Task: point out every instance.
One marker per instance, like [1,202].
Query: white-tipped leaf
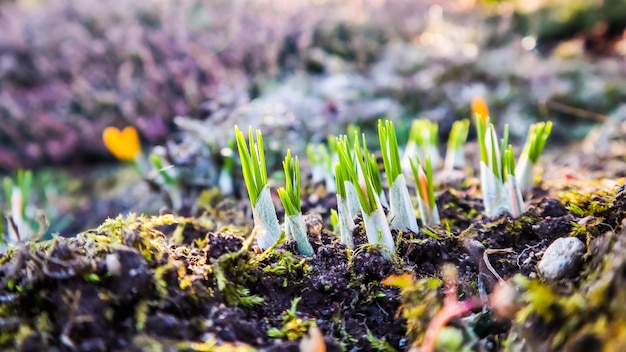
[435,157]
[429,216]
[410,152]
[401,210]
[383,199]
[495,194]
[525,173]
[346,222]
[294,226]
[515,193]
[352,199]
[454,159]
[378,231]
[266,224]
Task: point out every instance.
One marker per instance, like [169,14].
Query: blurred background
[184,72]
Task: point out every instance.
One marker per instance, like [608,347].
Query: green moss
[587,204]
[588,310]
[420,302]
[378,344]
[288,267]
[293,327]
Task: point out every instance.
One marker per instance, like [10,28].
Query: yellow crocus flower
[123,144]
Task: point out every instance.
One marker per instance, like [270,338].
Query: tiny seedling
[492,177]
[290,197]
[423,175]
[512,184]
[345,218]
[255,176]
[372,163]
[456,140]
[166,179]
[401,210]
[24,222]
[321,159]
[351,196]
[423,141]
[535,142]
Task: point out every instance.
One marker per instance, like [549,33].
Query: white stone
[562,258]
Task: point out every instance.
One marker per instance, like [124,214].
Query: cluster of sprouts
[359,184]
[501,187]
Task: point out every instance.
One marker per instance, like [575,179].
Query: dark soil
[137,282]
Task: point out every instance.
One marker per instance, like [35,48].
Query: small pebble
[113,264]
[562,258]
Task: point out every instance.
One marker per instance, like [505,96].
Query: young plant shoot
[376,225]
[400,207]
[252,157]
[423,141]
[166,177]
[351,196]
[377,180]
[423,174]
[456,140]
[290,197]
[512,184]
[345,218]
[495,196]
[24,222]
[538,134]
[321,165]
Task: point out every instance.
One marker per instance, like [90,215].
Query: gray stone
[562,258]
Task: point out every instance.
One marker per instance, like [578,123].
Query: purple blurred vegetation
[70,68]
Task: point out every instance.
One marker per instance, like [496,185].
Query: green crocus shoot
[345,218]
[423,141]
[401,210]
[512,184]
[334,220]
[492,177]
[24,222]
[536,139]
[321,165]
[290,197]
[423,174]
[163,170]
[167,179]
[376,225]
[255,176]
[377,180]
[351,196]
[456,140]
